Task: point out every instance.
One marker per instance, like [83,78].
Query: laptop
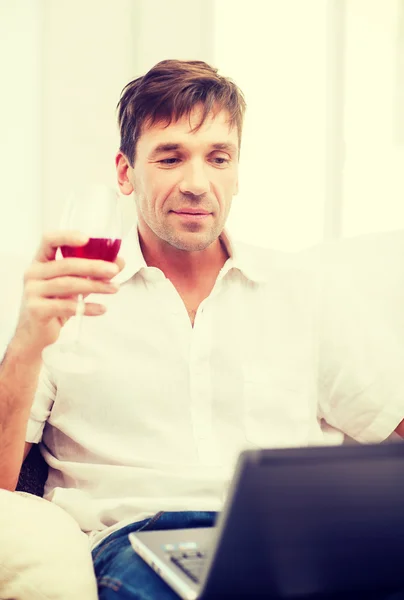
[319,522]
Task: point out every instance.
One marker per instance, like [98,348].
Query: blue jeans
[121,574]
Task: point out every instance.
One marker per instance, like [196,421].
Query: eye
[220,160]
[168,161]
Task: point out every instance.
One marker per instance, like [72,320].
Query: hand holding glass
[93,211]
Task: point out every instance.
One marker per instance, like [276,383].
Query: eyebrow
[225,146]
[170,147]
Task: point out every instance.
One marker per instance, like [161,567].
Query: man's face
[177,171]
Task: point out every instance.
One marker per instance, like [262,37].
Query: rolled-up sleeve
[367,412]
[41,407]
[361,358]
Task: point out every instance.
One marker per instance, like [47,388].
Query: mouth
[192,215]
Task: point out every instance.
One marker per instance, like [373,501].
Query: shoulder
[270,260]
[368,268]
[287,275]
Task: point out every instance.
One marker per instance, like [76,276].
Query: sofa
[43,553]
[33,473]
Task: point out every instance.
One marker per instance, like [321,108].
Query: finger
[63,287]
[52,240]
[92,309]
[119,261]
[77,267]
[44,309]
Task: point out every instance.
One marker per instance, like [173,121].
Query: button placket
[201,393]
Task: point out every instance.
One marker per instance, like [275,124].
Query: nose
[195,180]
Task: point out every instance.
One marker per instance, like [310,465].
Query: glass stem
[79,317]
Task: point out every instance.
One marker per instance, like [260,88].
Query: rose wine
[96,248]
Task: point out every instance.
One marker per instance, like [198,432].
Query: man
[209,347]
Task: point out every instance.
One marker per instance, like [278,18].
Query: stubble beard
[190,238]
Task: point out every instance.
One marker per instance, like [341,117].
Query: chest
[191,306]
[193,299]
[245,372]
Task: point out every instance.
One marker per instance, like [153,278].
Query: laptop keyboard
[189,557]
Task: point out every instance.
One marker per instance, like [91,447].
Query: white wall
[20,126]
[276,52]
[88,57]
[179,29]
[374,168]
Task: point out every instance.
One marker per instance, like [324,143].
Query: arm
[49,300]
[18,379]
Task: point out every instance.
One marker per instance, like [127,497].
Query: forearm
[49,300]
[19,373]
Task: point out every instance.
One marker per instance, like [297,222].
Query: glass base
[70,358]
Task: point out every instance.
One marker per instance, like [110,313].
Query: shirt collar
[241,257]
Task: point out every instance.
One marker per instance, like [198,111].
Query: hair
[169,91]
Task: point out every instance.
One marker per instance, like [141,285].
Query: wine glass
[95,212]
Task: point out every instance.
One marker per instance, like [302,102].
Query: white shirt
[160,425]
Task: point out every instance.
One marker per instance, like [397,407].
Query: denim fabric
[122,574]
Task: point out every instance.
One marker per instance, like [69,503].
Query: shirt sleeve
[361,354]
[41,407]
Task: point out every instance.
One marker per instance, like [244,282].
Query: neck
[187,269]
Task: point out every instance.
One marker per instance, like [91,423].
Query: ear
[123,172]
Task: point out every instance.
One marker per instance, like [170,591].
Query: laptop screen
[316,520]
[339,520]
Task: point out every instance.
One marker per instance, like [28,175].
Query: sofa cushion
[43,552]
